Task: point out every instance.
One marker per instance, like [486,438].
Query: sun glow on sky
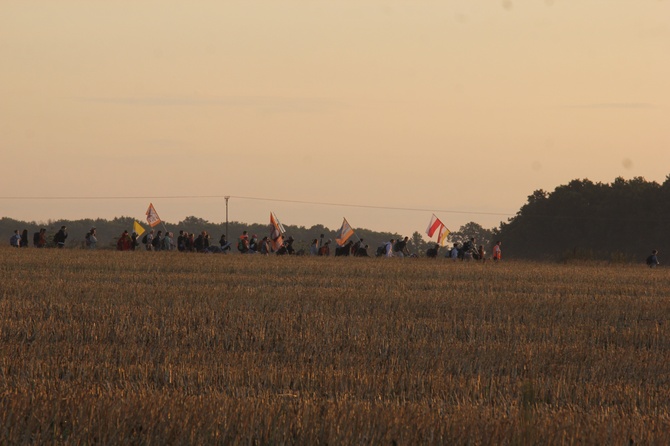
[446,106]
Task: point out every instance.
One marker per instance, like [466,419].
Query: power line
[636,219]
[318,203]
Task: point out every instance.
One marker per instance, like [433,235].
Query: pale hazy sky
[439,105]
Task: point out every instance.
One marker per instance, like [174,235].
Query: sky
[396,109]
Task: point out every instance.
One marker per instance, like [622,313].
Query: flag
[137,228]
[346,231]
[152,216]
[434,224]
[276,232]
[442,235]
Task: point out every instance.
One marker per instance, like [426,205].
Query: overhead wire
[240,197]
[350,205]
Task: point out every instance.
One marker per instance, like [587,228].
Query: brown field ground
[169,348]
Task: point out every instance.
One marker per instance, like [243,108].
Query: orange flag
[152,216]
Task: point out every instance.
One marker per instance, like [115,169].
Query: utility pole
[227,197]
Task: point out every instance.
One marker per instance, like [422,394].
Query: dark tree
[623,220]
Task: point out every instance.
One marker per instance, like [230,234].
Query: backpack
[156,242]
[36,238]
[144,239]
[241,246]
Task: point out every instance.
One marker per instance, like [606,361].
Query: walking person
[388,248]
[356,247]
[15,239]
[91,239]
[24,239]
[652,260]
[253,244]
[199,243]
[264,246]
[431,253]
[181,246]
[148,240]
[60,237]
[157,241]
[314,247]
[362,251]
[324,249]
[40,238]
[167,243]
[243,243]
[453,254]
[400,248]
[497,251]
[133,241]
[224,244]
[124,242]
[481,254]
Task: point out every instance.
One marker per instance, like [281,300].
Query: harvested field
[171,348]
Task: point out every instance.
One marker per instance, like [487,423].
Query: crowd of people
[246,244]
[250,244]
[20,240]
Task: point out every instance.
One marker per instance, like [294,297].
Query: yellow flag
[138,229]
[442,235]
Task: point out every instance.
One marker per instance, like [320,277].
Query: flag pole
[162,222]
[352,229]
[227,197]
[282,230]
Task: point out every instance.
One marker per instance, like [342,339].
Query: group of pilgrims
[246,244]
[251,244]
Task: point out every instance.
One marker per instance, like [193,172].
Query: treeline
[622,221]
[108,231]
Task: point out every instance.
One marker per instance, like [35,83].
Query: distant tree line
[621,221]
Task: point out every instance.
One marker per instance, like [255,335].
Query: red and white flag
[436,225]
[433,226]
[152,216]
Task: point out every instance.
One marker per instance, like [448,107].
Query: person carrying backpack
[243,243]
[59,238]
[148,240]
[40,238]
[652,260]
[324,250]
[15,239]
[400,248]
[156,242]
